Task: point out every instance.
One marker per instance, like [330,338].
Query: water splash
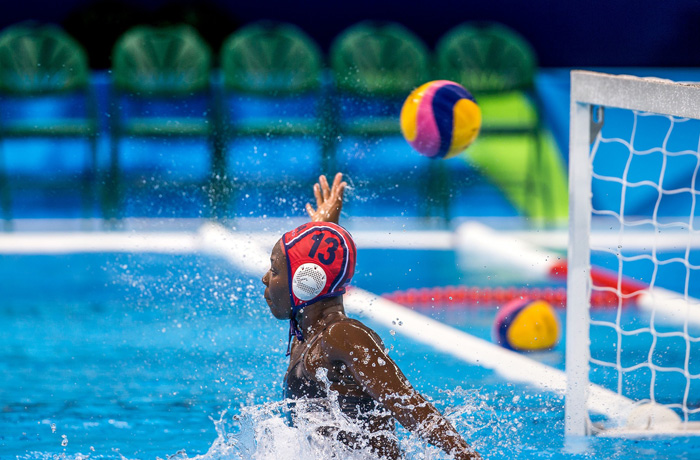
[298,429]
[476,417]
[264,432]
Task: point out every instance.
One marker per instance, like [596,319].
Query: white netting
[644,199]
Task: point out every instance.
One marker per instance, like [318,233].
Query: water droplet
[64,443]
[392,332]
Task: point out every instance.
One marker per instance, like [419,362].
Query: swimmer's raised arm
[366,360]
[329,200]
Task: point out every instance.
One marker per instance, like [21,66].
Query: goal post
[605,167]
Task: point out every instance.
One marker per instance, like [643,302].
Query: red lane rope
[608,291]
[603,277]
[472,296]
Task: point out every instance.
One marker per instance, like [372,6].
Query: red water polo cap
[320,261]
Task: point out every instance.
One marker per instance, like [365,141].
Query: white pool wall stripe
[552,240]
[435,240]
[405,240]
[557,240]
[74,242]
[179,242]
[544,243]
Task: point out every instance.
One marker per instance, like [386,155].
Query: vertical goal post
[590,91]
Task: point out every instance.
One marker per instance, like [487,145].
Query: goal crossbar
[634,93]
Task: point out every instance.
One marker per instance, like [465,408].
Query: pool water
[148,356]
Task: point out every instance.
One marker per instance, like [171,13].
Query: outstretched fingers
[340,192]
[329,199]
[338,187]
[324,187]
[318,195]
[336,180]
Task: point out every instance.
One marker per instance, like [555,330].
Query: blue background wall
[564,33]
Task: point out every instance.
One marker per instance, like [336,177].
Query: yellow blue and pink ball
[527,325]
[440,119]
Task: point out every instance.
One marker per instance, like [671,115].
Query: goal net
[634,232]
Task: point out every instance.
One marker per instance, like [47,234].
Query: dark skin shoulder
[358,348]
[376,424]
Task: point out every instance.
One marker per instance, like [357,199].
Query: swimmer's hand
[329,200]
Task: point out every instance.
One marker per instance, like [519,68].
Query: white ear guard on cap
[308,281]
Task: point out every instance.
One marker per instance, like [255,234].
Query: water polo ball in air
[526,325]
[440,119]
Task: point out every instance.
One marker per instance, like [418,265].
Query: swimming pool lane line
[244,252]
[502,250]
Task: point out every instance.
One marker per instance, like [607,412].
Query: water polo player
[310,268]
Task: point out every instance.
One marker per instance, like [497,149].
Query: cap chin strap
[294,329]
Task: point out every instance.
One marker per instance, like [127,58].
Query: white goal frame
[590,89]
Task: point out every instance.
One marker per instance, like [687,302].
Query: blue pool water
[137,356]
